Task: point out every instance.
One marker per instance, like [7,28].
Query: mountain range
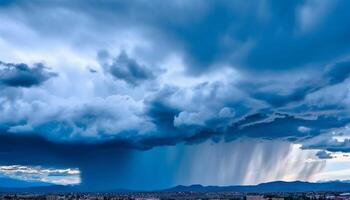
[277,186]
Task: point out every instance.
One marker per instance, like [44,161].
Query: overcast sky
[151,94]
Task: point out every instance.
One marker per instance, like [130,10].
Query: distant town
[180,195]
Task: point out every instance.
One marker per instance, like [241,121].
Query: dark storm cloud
[106,166]
[125,68]
[21,75]
[253,36]
[290,58]
[273,33]
[300,120]
[194,71]
[324,155]
[89,158]
[264,123]
[282,126]
[331,145]
[317,44]
[332,75]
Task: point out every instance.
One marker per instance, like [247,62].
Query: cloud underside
[263,70]
[22,75]
[195,114]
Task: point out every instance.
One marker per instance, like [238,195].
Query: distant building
[277,198]
[51,197]
[344,196]
[255,197]
[330,196]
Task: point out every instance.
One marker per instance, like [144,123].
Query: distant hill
[277,186]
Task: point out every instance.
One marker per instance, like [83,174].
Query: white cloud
[227,112]
[190,118]
[304,129]
[66,176]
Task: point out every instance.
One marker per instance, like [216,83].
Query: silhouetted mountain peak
[276,186]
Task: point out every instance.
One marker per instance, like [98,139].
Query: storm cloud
[125,68]
[21,75]
[139,75]
[323,155]
[229,78]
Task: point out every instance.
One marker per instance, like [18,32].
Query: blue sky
[142,95]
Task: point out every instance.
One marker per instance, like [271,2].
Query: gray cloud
[21,75]
[234,69]
[329,144]
[115,117]
[324,155]
[235,33]
[127,69]
[280,92]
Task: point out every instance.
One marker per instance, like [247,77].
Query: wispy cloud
[37,173]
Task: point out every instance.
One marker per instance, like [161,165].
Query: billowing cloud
[99,118]
[21,75]
[218,75]
[125,68]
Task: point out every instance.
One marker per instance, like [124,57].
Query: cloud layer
[37,173]
[143,75]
